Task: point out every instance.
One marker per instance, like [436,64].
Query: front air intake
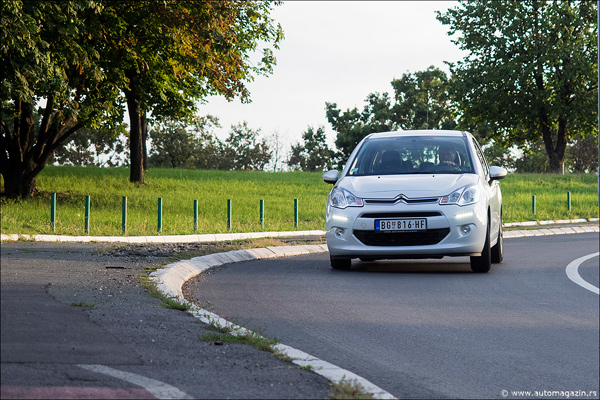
[428,237]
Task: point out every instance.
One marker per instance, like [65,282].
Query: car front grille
[430,236]
[406,214]
[405,200]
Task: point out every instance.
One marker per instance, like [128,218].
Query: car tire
[340,263]
[498,249]
[483,263]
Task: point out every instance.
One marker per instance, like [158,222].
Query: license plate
[389,225]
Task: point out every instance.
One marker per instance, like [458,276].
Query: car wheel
[498,249]
[483,263]
[340,263]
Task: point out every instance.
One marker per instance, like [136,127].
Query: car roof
[418,132]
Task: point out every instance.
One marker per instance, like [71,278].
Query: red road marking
[70,392]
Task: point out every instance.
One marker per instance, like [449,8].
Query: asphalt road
[432,329]
[126,345]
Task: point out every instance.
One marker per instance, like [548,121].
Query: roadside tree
[49,67]
[313,154]
[208,152]
[177,145]
[530,70]
[174,54]
[420,101]
[244,150]
[533,159]
[582,154]
[277,144]
[352,125]
[71,61]
[173,146]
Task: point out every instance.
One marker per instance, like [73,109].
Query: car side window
[481,157]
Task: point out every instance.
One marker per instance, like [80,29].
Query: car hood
[411,186]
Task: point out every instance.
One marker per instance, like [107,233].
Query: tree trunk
[19,182]
[23,154]
[136,168]
[556,152]
[18,165]
[144,123]
[556,163]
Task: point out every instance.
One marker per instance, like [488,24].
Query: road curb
[550,222]
[205,238]
[222,237]
[551,231]
[170,280]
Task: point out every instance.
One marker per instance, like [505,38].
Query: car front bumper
[451,231]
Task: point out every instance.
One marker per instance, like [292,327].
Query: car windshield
[412,155]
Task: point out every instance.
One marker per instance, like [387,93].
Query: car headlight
[341,198]
[462,197]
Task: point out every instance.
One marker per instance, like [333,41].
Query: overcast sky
[338,52]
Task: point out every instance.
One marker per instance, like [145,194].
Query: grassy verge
[252,339]
[179,188]
[550,191]
[346,389]
[167,302]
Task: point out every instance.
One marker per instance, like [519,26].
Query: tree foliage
[420,102]
[313,154]
[244,150]
[530,72]
[174,54]
[176,145]
[97,147]
[83,60]
[48,61]
[498,155]
[582,154]
[533,159]
[173,146]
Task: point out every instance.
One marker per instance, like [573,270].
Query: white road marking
[573,274]
[158,389]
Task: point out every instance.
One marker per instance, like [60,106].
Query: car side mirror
[330,177]
[497,173]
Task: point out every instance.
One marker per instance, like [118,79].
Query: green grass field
[179,188]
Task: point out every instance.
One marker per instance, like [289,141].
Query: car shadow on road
[426,266]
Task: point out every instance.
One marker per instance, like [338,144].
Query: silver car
[415,194]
